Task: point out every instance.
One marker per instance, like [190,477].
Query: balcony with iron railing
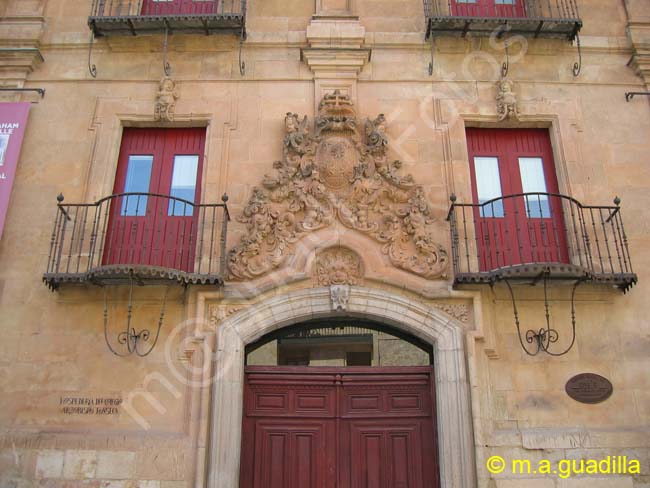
[146,237]
[533,18]
[529,235]
[134,17]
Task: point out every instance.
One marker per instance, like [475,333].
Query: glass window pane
[138,178]
[533,181]
[504,2]
[488,185]
[183,185]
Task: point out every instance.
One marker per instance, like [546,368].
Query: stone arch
[445,334]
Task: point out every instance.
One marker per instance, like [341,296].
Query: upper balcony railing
[525,235]
[152,238]
[133,17]
[534,18]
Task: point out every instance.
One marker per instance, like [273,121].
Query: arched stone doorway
[455,440]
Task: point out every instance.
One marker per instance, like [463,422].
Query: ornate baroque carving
[507,101]
[221,312]
[337,266]
[336,174]
[460,312]
[166,100]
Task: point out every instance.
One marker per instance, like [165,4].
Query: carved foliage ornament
[336,173]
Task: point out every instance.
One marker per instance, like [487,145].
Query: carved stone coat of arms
[336,172]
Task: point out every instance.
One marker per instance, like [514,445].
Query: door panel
[515,229]
[178,7]
[148,229]
[488,8]
[370,428]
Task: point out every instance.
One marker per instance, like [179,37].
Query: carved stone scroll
[332,174]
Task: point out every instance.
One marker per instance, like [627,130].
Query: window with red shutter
[488,8]
[519,218]
[153,222]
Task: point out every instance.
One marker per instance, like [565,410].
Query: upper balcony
[135,17]
[145,237]
[530,18]
[528,235]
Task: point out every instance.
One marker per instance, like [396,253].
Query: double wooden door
[339,428]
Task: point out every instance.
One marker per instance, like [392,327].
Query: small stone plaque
[589,388]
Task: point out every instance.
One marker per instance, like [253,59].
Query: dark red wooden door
[488,8]
[153,220]
[520,219]
[339,427]
[179,7]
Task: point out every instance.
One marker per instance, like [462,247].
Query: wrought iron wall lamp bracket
[242,64]
[92,69]
[577,66]
[167,69]
[630,95]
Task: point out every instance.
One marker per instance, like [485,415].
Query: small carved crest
[340,296]
[335,173]
[507,100]
[166,97]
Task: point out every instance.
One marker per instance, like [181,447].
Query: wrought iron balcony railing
[133,17]
[535,18]
[143,236]
[529,234]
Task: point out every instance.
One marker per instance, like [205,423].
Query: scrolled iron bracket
[433,49]
[242,64]
[167,69]
[543,338]
[505,67]
[577,67]
[130,338]
[92,69]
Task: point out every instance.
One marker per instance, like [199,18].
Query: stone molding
[456,446]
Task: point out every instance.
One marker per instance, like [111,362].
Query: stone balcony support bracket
[336,48]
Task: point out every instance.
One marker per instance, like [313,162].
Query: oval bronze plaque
[589,388]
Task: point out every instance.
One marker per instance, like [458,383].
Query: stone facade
[74,415]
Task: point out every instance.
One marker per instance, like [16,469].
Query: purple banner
[13,118]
